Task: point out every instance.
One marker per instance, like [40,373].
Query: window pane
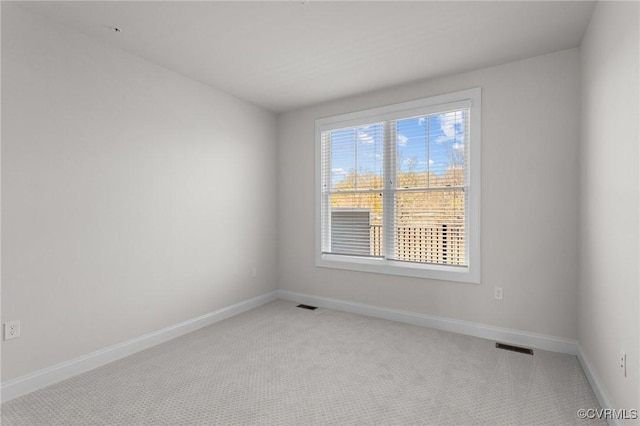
[447,135]
[369,156]
[411,153]
[343,162]
[356,158]
[429,227]
[430,150]
[356,224]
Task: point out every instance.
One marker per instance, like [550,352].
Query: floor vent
[311,308]
[514,348]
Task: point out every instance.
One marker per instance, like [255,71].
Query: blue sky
[425,143]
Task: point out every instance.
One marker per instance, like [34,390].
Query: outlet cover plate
[11,330]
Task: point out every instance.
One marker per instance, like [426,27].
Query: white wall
[529,202]
[133,198]
[609,318]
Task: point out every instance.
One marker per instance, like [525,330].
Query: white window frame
[469,274]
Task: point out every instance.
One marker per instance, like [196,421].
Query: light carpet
[278,364]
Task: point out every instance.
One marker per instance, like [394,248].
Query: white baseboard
[37,380]
[596,385]
[504,335]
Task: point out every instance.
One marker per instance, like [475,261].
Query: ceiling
[286,55]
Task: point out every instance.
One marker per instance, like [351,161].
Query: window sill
[464,274]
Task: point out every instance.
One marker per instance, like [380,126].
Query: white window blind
[429,186]
[353,171]
[395,186]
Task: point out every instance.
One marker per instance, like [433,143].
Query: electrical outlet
[623,363]
[254,272]
[11,330]
[497,293]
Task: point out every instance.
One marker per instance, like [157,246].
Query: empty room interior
[310,212]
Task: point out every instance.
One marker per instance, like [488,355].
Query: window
[398,189]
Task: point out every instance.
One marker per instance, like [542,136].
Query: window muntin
[403,172]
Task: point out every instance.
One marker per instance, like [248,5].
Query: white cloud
[441,139]
[402,139]
[448,121]
[365,138]
[458,146]
[421,121]
[339,171]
